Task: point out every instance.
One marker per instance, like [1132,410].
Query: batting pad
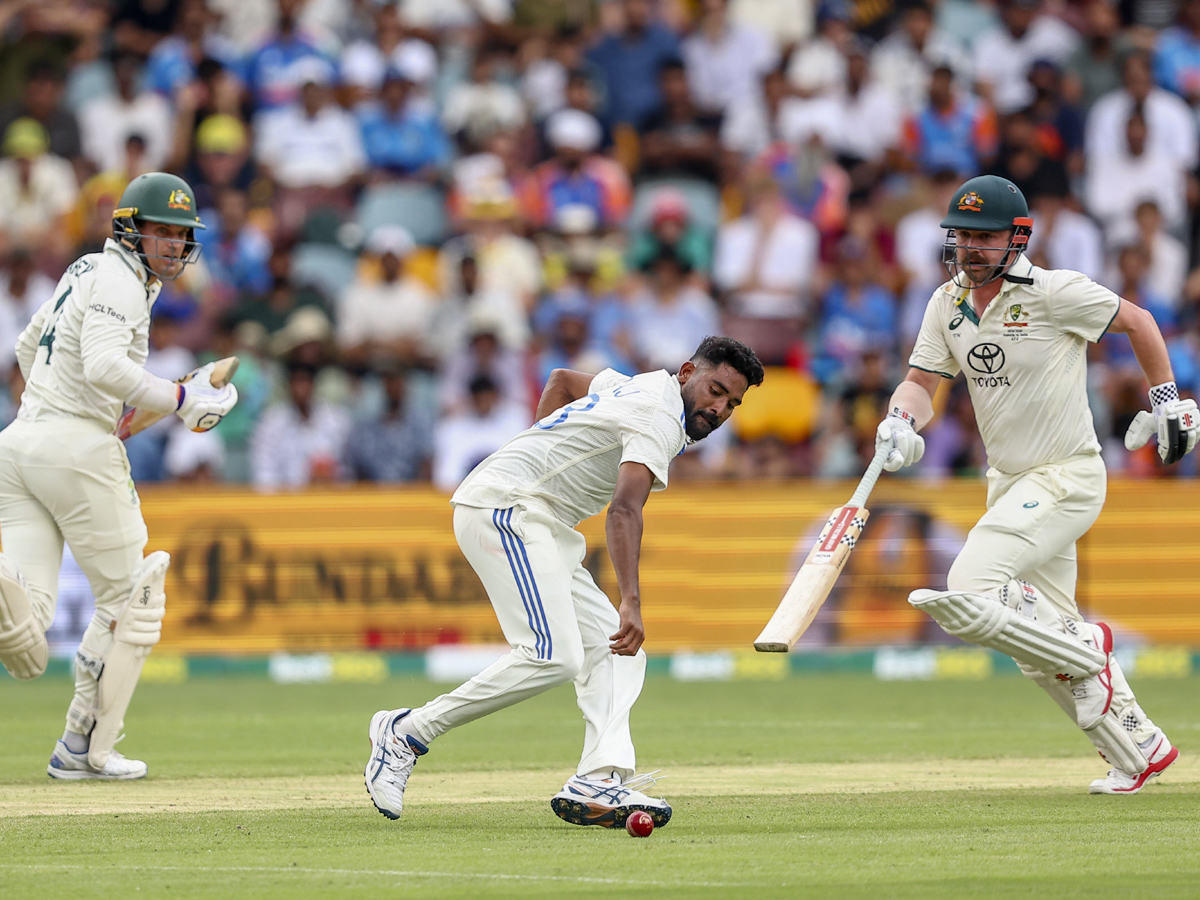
[23,648]
[982,619]
[1115,743]
[136,631]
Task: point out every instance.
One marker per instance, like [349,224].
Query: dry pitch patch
[472,787]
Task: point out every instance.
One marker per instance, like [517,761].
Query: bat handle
[867,484]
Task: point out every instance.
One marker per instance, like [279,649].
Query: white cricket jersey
[568,462]
[1024,360]
[83,351]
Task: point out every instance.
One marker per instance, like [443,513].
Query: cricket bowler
[603,440]
[1019,334]
[64,474]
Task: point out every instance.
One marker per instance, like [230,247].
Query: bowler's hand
[630,635]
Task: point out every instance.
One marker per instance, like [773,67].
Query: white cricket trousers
[1029,532]
[559,625]
[69,478]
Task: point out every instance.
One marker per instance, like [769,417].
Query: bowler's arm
[914,395]
[563,386]
[623,528]
[1146,340]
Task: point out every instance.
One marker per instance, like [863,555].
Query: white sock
[603,775]
[76,742]
[401,727]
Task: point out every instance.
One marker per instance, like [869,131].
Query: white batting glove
[897,433]
[1176,423]
[202,406]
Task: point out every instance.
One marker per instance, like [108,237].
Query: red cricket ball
[639,824]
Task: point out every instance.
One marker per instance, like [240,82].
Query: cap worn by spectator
[304,326]
[311,70]
[221,133]
[669,205]
[26,139]
[575,219]
[482,321]
[188,452]
[573,129]
[417,60]
[491,200]
[393,239]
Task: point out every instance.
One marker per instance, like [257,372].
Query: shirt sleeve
[931,353]
[109,311]
[606,379]
[1080,306]
[653,438]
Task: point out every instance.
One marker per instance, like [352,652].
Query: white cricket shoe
[69,766]
[392,760]
[1159,756]
[1093,696]
[608,802]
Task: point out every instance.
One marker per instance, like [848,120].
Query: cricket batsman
[603,440]
[64,474]
[1019,334]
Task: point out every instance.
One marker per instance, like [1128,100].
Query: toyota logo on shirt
[986,358]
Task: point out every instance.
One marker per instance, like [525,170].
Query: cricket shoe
[392,759]
[1159,756]
[1093,695]
[68,766]
[608,802]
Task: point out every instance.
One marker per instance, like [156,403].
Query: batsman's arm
[914,395]
[562,387]
[623,529]
[1145,339]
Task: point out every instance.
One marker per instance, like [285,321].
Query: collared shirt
[82,353]
[568,462]
[1024,360]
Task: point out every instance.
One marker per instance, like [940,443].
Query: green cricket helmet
[987,203]
[157,197]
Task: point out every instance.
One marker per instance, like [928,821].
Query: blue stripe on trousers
[536,593]
[517,577]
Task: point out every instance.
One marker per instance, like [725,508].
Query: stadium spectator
[486,104]
[818,67]
[107,123]
[679,140]
[175,61]
[194,457]
[749,128]
[548,67]
[1068,239]
[1094,68]
[857,315]
[388,316]
[670,315]
[1168,267]
[396,446]
[272,309]
[464,440]
[365,62]
[221,158]
[576,174]
[42,100]
[236,252]
[301,440]
[138,25]
[725,58]
[868,120]
[902,62]
[402,137]
[952,131]
[269,69]
[629,60]
[671,229]
[1004,55]
[484,354]
[464,301]
[38,191]
[919,238]
[788,23]
[1177,56]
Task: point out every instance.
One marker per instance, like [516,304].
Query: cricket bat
[136,420]
[821,568]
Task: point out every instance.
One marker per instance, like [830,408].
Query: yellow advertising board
[357,568]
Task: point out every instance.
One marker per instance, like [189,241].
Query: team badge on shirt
[1016,317]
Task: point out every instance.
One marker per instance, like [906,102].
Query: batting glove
[1176,423]
[202,406]
[896,432]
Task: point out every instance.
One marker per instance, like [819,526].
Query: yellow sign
[366,568]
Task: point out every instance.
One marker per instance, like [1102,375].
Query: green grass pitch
[838,787]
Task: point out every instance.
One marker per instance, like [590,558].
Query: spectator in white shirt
[671,316]
[919,240]
[725,59]
[1137,171]
[766,262]
[1004,55]
[869,120]
[753,125]
[1170,122]
[312,149]
[1068,239]
[386,316]
[818,66]
[300,441]
[37,192]
[364,62]
[464,440]
[484,105]
[902,61]
[108,122]
[787,22]
[1167,255]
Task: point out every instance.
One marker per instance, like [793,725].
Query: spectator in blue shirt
[175,60]
[268,70]
[403,138]
[953,131]
[629,62]
[235,252]
[1177,59]
[858,315]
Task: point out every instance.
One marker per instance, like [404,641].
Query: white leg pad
[1116,744]
[135,632]
[23,648]
[985,620]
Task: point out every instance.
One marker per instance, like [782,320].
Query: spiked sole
[578,812]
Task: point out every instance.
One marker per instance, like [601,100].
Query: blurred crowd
[416,209]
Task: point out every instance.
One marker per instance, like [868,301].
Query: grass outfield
[840,787]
